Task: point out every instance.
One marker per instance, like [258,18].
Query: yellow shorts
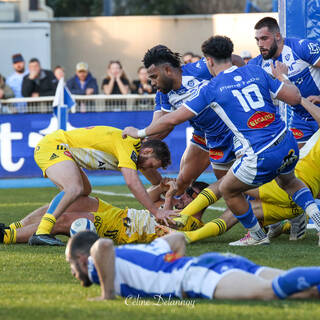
[50,150]
[125,225]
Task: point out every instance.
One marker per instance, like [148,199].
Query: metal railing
[92,103]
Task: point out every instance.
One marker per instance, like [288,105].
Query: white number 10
[245,97]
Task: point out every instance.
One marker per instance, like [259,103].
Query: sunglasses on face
[191,192]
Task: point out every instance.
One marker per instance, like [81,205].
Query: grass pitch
[36,282]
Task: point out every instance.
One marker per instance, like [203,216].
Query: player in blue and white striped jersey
[161,269]
[302,57]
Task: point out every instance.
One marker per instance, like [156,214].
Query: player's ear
[278,36]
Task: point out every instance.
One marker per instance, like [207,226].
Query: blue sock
[248,220]
[296,280]
[303,198]
[54,203]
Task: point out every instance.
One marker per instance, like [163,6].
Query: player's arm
[312,109]
[156,116]
[166,122]
[103,256]
[177,243]
[168,202]
[314,99]
[152,175]
[288,93]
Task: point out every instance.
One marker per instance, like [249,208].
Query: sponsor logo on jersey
[134,157]
[298,134]
[237,78]
[171,257]
[101,164]
[53,156]
[199,140]
[288,160]
[260,119]
[314,48]
[216,154]
[68,154]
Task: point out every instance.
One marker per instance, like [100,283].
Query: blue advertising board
[20,133]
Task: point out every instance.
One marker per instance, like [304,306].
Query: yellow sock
[46,224]
[205,198]
[16,225]
[210,229]
[10,236]
[192,223]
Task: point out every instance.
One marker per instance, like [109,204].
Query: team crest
[134,157]
[260,119]
[298,134]
[287,57]
[237,78]
[190,83]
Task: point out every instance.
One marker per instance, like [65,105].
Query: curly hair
[218,47]
[161,54]
[160,150]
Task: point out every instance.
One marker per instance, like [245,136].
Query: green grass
[36,282]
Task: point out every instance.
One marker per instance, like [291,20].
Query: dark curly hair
[161,54]
[218,47]
[160,150]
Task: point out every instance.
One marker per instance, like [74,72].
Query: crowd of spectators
[34,81]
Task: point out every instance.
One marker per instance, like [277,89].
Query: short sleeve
[308,51]
[274,84]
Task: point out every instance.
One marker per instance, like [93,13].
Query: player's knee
[74,191]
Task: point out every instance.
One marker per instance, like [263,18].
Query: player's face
[189,195]
[148,161]
[266,42]
[78,272]
[19,66]
[159,77]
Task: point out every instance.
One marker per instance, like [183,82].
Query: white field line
[129,195]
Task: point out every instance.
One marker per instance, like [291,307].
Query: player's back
[242,98]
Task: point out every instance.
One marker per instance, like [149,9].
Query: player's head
[268,37]
[217,50]
[190,194]
[154,154]
[162,65]
[77,253]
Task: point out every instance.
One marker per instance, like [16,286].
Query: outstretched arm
[102,253]
[312,109]
[177,243]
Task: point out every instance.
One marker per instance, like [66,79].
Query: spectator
[83,82]
[246,56]
[186,57]
[5,91]
[58,72]
[143,84]
[195,58]
[38,82]
[116,81]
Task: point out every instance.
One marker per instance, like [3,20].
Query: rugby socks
[204,199]
[250,222]
[304,199]
[211,229]
[191,224]
[16,225]
[10,236]
[48,220]
[295,280]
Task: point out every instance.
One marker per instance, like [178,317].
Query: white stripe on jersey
[315,74]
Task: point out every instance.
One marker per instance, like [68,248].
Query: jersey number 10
[245,97]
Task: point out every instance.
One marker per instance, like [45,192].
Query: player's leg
[193,162]
[232,190]
[70,179]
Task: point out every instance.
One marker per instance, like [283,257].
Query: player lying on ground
[62,155]
[121,225]
[161,268]
[271,203]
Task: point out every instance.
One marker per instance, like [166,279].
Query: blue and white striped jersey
[194,77]
[242,97]
[146,270]
[300,55]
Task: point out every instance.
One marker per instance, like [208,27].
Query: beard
[167,85]
[271,52]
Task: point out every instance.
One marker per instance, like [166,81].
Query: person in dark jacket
[82,82]
[38,82]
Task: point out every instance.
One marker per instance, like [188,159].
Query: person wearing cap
[38,82]
[246,56]
[14,81]
[82,82]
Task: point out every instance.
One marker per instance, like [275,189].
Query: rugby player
[242,97]
[160,268]
[62,155]
[302,56]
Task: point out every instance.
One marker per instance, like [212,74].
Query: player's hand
[131,132]
[164,184]
[173,187]
[279,70]
[165,216]
[314,99]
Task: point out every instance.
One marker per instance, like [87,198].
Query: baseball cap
[82,66]
[17,58]
[245,54]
